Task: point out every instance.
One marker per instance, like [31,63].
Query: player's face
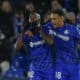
[33,18]
[57,20]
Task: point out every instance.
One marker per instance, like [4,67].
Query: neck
[61,25]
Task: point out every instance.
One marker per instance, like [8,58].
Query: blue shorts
[41,69]
[66,71]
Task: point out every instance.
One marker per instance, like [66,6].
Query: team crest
[66,32]
[31,74]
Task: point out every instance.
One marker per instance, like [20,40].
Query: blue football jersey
[40,56]
[47,28]
[65,41]
[35,44]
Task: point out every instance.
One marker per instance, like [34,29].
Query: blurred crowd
[14,16]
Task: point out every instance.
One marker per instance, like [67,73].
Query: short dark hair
[59,12]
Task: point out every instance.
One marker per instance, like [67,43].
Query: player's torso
[36,45]
[64,41]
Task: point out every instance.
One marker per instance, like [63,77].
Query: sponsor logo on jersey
[32,44]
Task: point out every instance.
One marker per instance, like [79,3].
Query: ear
[62,18]
[51,16]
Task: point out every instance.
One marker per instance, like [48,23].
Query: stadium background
[71,9]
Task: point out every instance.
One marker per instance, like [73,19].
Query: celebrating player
[65,38]
[37,44]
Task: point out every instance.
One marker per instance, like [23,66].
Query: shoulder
[71,27]
[47,25]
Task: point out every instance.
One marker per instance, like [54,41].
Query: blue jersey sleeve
[25,39]
[77,33]
[47,29]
